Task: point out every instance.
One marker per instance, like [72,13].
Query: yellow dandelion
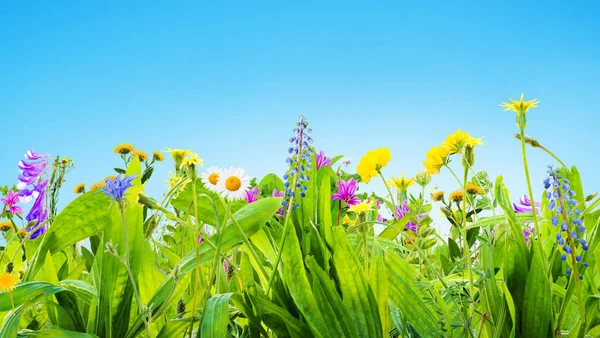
[372,162]
[362,207]
[7,282]
[457,196]
[192,161]
[158,156]
[140,154]
[401,183]
[438,196]
[96,186]
[123,149]
[521,106]
[474,189]
[347,221]
[178,154]
[5,225]
[457,141]
[436,158]
[79,189]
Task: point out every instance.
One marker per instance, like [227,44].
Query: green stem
[529,189]
[389,191]
[466,246]
[553,156]
[128,267]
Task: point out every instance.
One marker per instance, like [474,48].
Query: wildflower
[299,161]
[401,184]
[322,161]
[79,189]
[38,214]
[379,216]
[5,226]
[252,195]
[520,107]
[438,196]
[33,156]
[7,282]
[233,184]
[401,211]
[96,186]
[109,177]
[456,196]
[347,221]
[23,233]
[10,202]
[158,156]
[276,193]
[436,158]
[30,172]
[178,155]
[527,232]
[370,164]
[346,191]
[474,189]
[457,141]
[361,208]
[123,149]
[141,155]
[192,161]
[200,240]
[27,195]
[210,178]
[422,178]
[525,205]
[116,188]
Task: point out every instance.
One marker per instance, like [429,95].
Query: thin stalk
[529,189]
[466,246]
[197,248]
[553,156]
[126,263]
[388,190]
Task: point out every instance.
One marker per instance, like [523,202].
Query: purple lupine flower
[32,155]
[116,187]
[252,195]
[525,205]
[401,211]
[322,161]
[10,201]
[346,191]
[380,218]
[38,214]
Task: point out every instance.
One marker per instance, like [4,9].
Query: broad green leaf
[537,300]
[54,333]
[27,290]
[216,316]
[378,280]
[265,309]
[269,183]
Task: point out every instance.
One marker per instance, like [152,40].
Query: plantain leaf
[537,301]
[216,316]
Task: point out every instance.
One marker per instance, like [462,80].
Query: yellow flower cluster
[362,207]
[474,189]
[158,156]
[372,162]
[437,156]
[193,160]
[457,196]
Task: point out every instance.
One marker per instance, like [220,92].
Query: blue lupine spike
[582,241]
[567,249]
[574,235]
[563,257]
[572,193]
[302,194]
[286,176]
[561,241]
[547,183]
[552,204]
[584,247]
[568,271]
[554,220]
[578,258]
[577,221]
[585,264]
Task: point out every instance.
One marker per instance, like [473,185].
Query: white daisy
[233,184]
[210,177]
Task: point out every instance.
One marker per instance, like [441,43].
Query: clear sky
[229,80]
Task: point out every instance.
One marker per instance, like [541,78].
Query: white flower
[210,177]
[233,184]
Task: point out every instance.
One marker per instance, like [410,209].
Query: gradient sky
[229,81]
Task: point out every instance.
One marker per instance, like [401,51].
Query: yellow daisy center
[7,282]
[214,178]
[233,183]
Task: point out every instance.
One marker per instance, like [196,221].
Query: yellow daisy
[233,184]
[457,196]
[140,154]
[123,149]
[520,107]
[372,162]
[5,225]
[457,141]
[79,189]
[192,161]
[362,207]
[438,196]
[7,282]
[210,178]
[96,186]
[436,157]
[474,189]
[178,154]
[158,156]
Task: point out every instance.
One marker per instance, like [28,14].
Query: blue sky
[229,81]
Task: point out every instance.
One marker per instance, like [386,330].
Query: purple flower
[38,214]
[525,205]
[200,240]
[27,195]
[10,200]
[379,217]
[32,155]
[252,195]
[346,191]
[276,193]
[116,188]
[527,232]
[322,161]
[403,210]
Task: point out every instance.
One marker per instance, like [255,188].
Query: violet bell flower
[525,205]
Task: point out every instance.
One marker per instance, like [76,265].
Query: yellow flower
[435,159]
[372,162]
[66,160]
[123,149]
[520,107]
[97,186]
[438,196]
[140,154]
[193,160]
[457,196]
[5,225]
[474,189]
[401,183]
[178,154]
[109,177]
[22,232]
[362,207]
[347,221]
[457,141]
[79,189]
[158,156]
[7,282]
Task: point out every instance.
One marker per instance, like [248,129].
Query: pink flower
[322,160]
[252,195]
[346,191]
[10,201]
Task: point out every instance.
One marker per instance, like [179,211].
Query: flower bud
[591,197]
[468,157]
